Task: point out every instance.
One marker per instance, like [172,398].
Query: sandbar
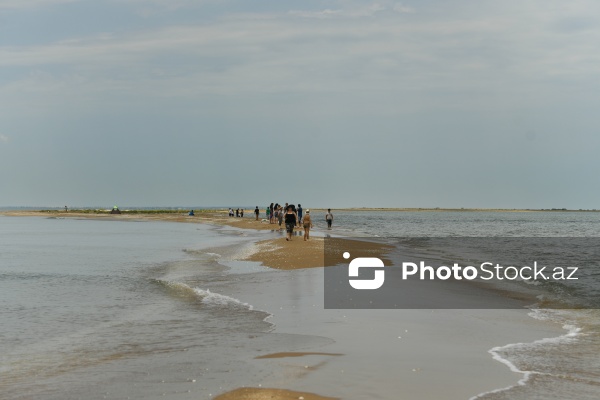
[298,254]
[269,394]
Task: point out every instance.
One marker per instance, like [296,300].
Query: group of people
[238,213]
[293,217]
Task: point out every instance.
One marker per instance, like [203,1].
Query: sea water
[111,309]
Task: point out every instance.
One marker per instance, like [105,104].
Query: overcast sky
[328,103]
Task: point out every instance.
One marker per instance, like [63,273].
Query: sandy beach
[299,254]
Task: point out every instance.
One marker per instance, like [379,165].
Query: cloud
[327,13]
[3,138]
[152,8]
[401,8]
[355,10]
[401,59]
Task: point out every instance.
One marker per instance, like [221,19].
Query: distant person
[272,218]
[242,213]
[268,211]
[290,222]
[256,212]
[329,218]
[280,216]
[307,224]
[191,213]
[231,212]
[237,213]
[299,213]
[66,209]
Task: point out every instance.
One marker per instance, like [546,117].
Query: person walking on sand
[280,216]
[329,218]
[242,213]
[256,212]
[299,213]
[268,211]
[307,223]
[272,219]
[290,222]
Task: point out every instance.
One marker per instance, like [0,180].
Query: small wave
[543,315]
[176,288]
[218,299]
[206,296]
[197,252]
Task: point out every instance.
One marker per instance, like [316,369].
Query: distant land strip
[249,211]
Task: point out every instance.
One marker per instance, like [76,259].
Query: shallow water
[106,309]
[78,295]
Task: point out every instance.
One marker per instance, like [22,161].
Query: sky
[339,103]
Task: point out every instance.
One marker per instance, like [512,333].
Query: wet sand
[269,394]
[298,254]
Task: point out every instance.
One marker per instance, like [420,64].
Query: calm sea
[76,296]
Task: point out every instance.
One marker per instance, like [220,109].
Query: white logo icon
[365,262]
